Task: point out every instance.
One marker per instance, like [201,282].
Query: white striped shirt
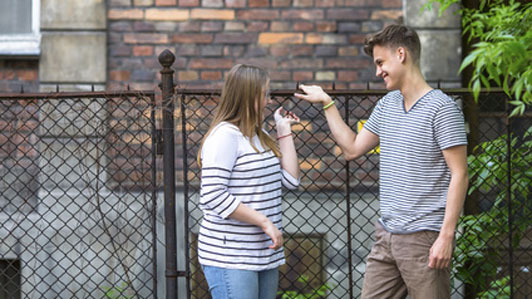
[414,177]
[232,173]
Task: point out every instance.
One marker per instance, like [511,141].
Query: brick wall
[295,40]
[17,74]
[19,167]
[18,152]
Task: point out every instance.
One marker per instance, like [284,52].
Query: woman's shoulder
[227,129]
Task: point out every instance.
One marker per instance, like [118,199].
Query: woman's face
[264,98]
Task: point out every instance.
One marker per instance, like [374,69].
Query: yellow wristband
[328,105]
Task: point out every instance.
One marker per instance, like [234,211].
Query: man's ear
[401,54]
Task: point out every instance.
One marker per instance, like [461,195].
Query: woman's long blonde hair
[240,105]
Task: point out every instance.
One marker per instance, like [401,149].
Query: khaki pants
[398,265]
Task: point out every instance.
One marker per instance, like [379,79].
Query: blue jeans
[241,284]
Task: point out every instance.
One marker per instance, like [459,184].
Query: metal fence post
[348,208]
[509,191]
[166,59]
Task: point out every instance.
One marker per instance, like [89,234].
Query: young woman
[242,170]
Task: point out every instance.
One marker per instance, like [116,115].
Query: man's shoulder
[438,98]
[391,97]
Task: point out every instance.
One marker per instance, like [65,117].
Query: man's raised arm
[353,145]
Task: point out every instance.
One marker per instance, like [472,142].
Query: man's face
[388,63]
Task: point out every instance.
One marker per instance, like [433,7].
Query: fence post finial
[166,58]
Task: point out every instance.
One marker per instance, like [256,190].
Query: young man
[423,170]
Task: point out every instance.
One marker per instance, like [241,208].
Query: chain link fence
[77,195]
[79,216]
[329,221]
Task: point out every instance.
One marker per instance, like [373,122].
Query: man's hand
[313,94]
[440,253]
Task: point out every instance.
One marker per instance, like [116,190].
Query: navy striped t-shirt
[232,173]
[414,177]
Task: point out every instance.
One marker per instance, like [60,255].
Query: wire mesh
[323,245]
[76,196]
[329,221]
[78,180]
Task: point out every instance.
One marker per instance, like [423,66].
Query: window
[9,278]
[304,260]
[19,27]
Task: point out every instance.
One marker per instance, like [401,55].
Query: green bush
[314,293]
[479,247]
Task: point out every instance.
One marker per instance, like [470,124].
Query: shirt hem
[407,232]
[242,266]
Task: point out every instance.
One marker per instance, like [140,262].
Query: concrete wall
[74,44]
[441,41]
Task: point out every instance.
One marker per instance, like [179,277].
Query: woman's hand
[246,214]
[273,232]
[284,120]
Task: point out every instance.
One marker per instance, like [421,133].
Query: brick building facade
[115,43]
[19,74]
[300,40]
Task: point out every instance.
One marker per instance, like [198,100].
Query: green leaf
[505,85]
[476,89]
[485,81]
[518,110]
[518,88]
[494,74]
[468,60]
[426,6]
